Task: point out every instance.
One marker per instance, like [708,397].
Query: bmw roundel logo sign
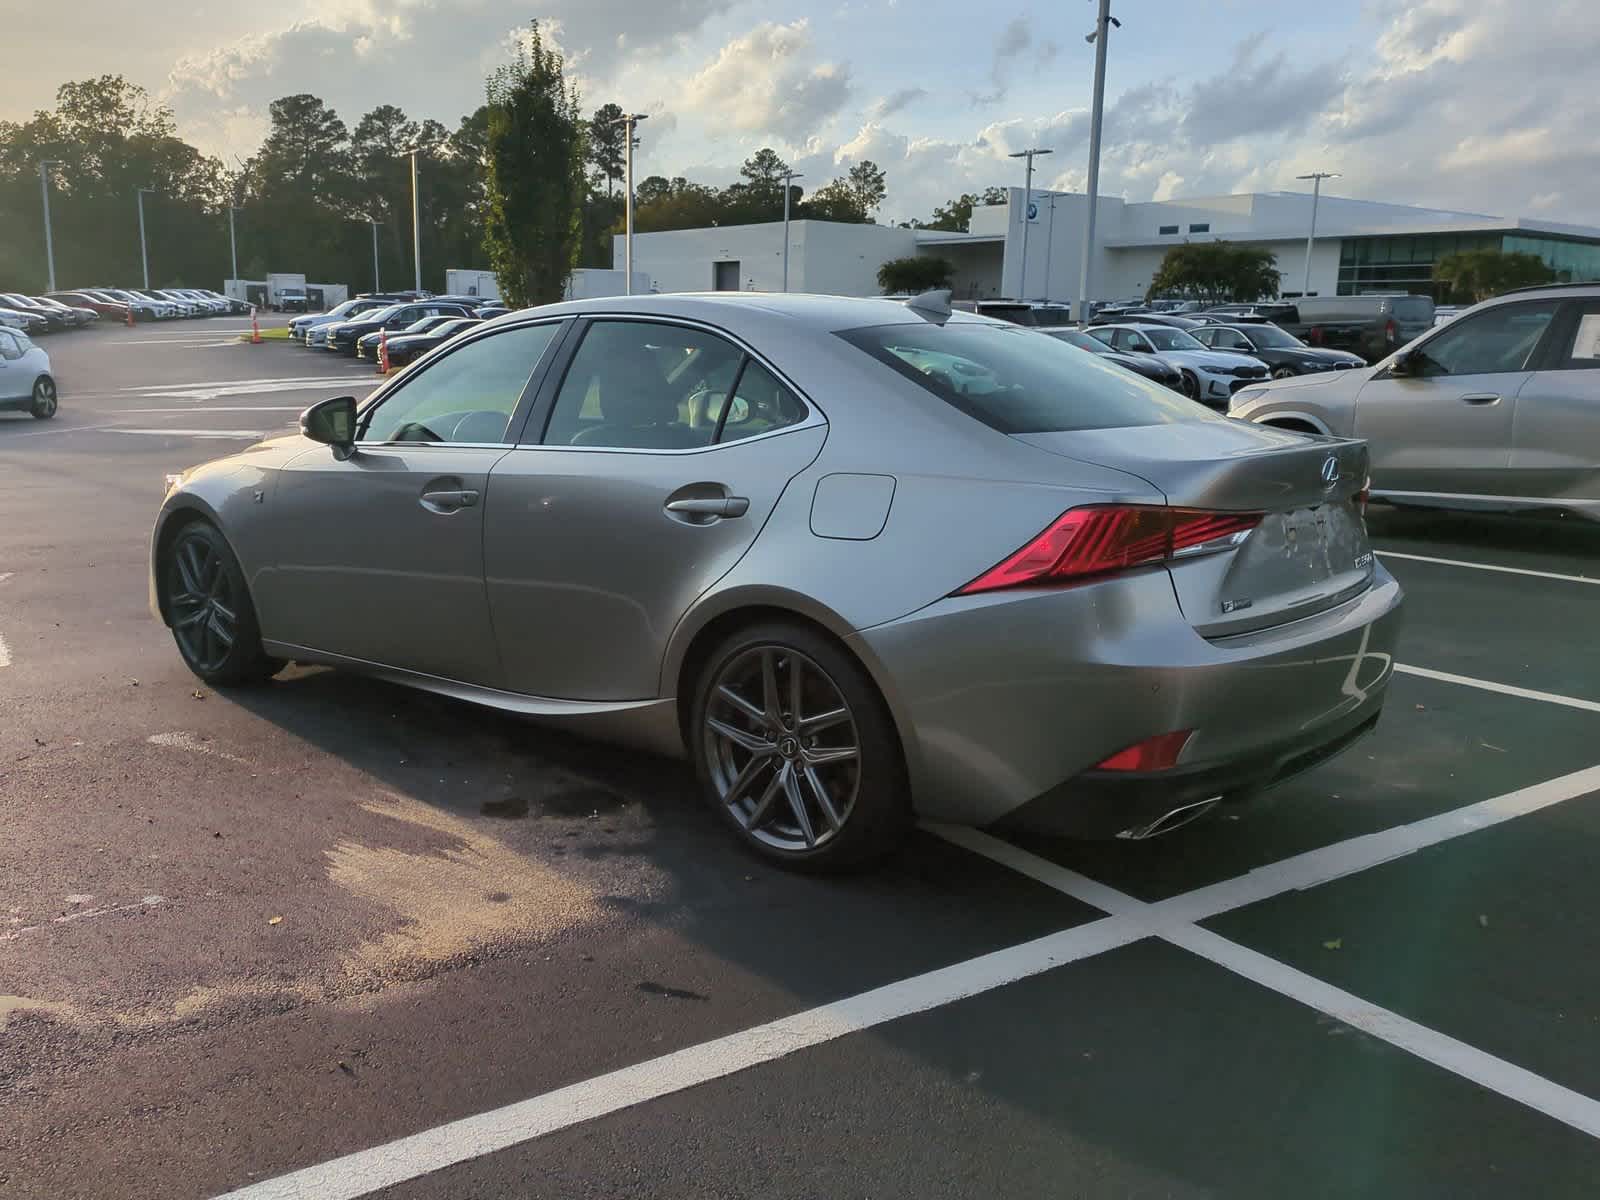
[1033,212]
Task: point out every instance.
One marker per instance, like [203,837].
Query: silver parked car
[1209,376]
[1493,411]
[26,384]
[856,560]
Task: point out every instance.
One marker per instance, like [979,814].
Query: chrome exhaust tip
[1167,822]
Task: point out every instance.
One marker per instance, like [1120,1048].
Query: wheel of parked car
[1283,372]
[213,619]
[796,749]
[44,398]
[1191,385]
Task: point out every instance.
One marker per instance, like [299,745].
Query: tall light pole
[628,121]
[144,257]
[1102,28]
[416,220]
[1316,194]
[44,194]
[233,242]
[377,285]
[788,178]
[1027,203]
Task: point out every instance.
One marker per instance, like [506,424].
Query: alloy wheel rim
[1283,373]
[783,748]
[205,612]
[1191,386]
[44,397]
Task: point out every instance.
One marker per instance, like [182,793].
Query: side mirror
[1402,365]
[333,423]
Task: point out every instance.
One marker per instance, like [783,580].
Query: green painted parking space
[1157,1075]
[1486,938]
[1438,747]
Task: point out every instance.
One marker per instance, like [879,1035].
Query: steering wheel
[415,431]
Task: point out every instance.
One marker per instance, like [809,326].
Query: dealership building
[1361,246]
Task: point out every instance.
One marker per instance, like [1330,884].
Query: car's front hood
[1313,355]
[1219,359]
[1352,378]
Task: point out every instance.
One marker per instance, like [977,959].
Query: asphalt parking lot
[335,938]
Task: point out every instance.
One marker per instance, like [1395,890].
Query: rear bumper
[1006,702]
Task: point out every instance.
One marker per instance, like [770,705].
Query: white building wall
[824,256]
[1133,267]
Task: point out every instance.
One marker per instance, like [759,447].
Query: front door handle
[1481,398]
[449,500]
[710,506]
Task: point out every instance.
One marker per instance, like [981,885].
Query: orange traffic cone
[383,352]
[255,329]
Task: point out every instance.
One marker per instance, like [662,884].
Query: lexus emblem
[1330,471]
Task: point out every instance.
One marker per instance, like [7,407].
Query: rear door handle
[1481,398]
[711,506]
[449,501]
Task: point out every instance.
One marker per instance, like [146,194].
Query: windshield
[1016,381]
[382,314]
[1164,338]
[1270,337]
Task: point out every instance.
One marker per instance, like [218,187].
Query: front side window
[1500,340]
[468,396]
[1015,381]
[1227,339]
[1170,339]
[643,385]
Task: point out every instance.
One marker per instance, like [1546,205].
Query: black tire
[209,609]
[878,815]
[1283,372]
[45,399]
[1191,385]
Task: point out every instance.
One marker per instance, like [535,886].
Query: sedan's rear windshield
[1017,380]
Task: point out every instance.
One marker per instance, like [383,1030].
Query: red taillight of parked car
[1153,754]
[1101,539]
[1391,331]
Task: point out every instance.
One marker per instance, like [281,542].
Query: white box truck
[461,282]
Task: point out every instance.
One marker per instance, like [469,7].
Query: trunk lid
[1310,551]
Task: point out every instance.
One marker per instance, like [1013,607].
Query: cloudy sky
[1481,105]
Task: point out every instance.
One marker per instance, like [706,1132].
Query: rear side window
[1019,381]
[1413,309]
[8,345]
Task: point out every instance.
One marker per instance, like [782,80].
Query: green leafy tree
[1216,273]
[608,139]
[1474,275]
[955,216]
[536,185]
[918,273]
[866,181]
[765,170]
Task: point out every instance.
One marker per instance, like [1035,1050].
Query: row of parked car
[73,309]
[406,324]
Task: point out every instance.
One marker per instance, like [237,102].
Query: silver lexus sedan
[858,560]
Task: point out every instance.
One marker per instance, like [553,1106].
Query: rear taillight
[1363,496]
[1153,754]
[1100,539]
[1391,331]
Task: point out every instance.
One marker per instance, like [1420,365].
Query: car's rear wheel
[45,400]
[208,605]
[1283,372]
[796,749]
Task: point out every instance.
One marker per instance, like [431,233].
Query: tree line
[523,176]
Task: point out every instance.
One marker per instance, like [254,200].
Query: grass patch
[269,335]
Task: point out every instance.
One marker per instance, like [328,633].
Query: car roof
[818,313]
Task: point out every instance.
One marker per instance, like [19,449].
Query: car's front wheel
[1191,385]
[209,608]
[796,749]
[45,400]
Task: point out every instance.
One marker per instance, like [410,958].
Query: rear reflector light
[1363,496]
[1153,754]
[1100,539]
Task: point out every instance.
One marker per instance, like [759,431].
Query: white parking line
[367,1171]
[5,653]
[1452,562]
[194,433]
[1509,1080]
[1504,689]
[217,408]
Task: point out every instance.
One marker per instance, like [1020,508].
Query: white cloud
[763,82]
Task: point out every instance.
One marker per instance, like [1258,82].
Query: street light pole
[1027,203]
[49,245]
[144,257]
[1316,194]
[628,121]
[377,285]
[1102,28]
[788,178]
[416,221]
[233,242]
